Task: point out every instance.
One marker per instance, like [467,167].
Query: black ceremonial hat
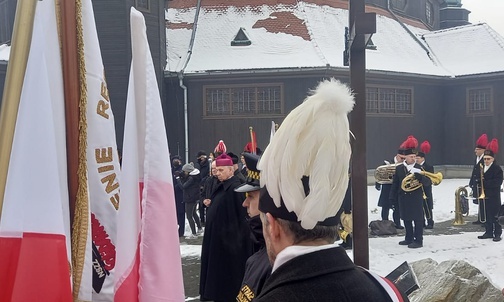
[252,183]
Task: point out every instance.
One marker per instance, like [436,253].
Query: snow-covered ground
[385,254]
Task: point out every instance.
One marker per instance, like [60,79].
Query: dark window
[399,4]
[142,5]
[241,39]
[429,11]
[479,101]
[389,100]
[243,100]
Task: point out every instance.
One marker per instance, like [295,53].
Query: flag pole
[20,49]
[71,86]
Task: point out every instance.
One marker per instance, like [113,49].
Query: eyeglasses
[487,158]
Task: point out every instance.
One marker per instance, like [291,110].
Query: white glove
[415,170]
[386,162]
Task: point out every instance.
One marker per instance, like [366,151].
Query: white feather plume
[313,140]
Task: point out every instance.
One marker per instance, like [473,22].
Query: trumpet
[384,174]
[410,183]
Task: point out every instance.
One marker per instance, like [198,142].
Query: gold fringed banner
[81,218]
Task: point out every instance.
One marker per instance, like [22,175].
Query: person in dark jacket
[410,202]
[179,194]
[226,241]
[190,183]
[258,267]
[203,165]
[237,172]
[492,182]
[475,181]
[428,204]
[304,176]
[384,201]
[206,192]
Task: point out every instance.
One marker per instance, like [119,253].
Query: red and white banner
[148,266]
[103,170]
[34,227]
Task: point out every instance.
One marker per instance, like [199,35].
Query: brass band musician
[474,182]
[491,184]
[410,202]
[384,202]
[428,204]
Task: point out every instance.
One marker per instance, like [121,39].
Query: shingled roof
[288,34]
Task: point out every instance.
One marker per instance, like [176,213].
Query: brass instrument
[482,172]
[384,174]
[482,216]
[459,215]
[410,183]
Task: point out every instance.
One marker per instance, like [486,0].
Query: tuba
[461,206]
[385,173]
[410,183]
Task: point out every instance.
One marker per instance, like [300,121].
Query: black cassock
[226,244]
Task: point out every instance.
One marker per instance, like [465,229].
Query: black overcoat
[492,181]
[384,200]
[410,203]
[226,244]
[325,275]
[474,182]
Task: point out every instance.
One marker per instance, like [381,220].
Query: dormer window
[241,38]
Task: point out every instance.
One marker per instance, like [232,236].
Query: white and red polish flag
[148,266]
[34,227]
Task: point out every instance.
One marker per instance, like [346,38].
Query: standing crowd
[270,223]
[270,220]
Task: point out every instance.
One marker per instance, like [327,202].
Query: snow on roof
[470,49]
[4,52]
[309,35]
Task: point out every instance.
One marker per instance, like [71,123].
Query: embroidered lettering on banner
[103,105]
[105,156]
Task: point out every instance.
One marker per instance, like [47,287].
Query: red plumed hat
[482,141]
[424,148]
[220,148]
[248,147]
[410,145]
[492,148]
[401,149]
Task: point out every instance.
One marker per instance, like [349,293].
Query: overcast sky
[488,11]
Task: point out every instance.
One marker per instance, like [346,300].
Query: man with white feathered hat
[304,177]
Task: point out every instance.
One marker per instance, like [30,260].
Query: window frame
[429,12]
[256,113]
[379,110]
[487,112]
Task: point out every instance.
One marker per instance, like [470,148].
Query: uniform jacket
[474,182]
[410,203]
[492,181]
[226,244]
[325,275]
[257,270]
